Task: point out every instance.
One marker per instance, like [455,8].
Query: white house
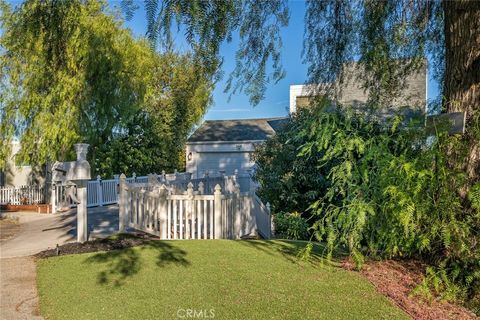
[227,145]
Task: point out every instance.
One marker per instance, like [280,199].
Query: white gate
[158,210]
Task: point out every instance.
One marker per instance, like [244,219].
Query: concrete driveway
[39,232]
[30,234]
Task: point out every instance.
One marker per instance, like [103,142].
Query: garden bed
[397,278]
[39,208]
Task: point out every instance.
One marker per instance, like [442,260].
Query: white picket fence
[165,211]
[104,192]
[22,195]
[99,192]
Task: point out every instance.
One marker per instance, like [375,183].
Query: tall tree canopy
[390,39]
[154,139]
[71,72]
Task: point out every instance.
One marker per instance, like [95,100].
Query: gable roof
[236,130]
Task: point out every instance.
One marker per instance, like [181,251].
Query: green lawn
[234,279]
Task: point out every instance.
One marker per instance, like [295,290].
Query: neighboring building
[413,96]
[18,174]
[226,145]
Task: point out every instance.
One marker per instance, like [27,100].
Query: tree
[70,73]
[390,39]
[154,139]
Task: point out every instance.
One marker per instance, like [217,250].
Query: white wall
[217,156]
[351,92]
[15,176]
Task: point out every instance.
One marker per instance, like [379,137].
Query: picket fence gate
[158,209]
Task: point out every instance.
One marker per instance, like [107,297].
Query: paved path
[39,232]
[35,233]
[18,289]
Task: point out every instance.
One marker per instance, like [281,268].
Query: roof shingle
[237,130]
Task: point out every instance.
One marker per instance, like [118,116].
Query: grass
[234,279]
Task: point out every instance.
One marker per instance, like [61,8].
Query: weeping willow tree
[390,40]
[71,72]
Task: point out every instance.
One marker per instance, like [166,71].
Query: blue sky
[276,99]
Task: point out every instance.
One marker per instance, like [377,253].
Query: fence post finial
[190,189]
[236,187]
[201,189]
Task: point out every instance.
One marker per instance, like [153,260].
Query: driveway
[24,234]
[38,232]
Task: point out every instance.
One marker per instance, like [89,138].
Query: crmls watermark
[190,313]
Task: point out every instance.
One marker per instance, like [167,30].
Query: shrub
[290,226]
[381,189]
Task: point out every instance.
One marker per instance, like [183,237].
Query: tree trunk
[462,73]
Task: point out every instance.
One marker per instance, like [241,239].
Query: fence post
[201,189]
[53,198]
[134,176]
[99,191]
[218,211]
[237,214]
[163,206]
[271,225]
[164,179]
[190,221]
[122,203]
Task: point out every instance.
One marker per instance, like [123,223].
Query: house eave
[224,142]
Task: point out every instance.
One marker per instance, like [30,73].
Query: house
[18,174]
[226,145]
[412,97]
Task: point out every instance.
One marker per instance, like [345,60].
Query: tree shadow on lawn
[294,251]
[124,263]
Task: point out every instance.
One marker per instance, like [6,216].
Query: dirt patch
[397,278]
[113,243]
[8,228]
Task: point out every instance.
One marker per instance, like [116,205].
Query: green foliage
[71,72]
[388,191]
[291,226]
[154,139]
[209,23]
[286,180]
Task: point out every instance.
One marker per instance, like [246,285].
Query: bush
[379,189]
[290,226]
